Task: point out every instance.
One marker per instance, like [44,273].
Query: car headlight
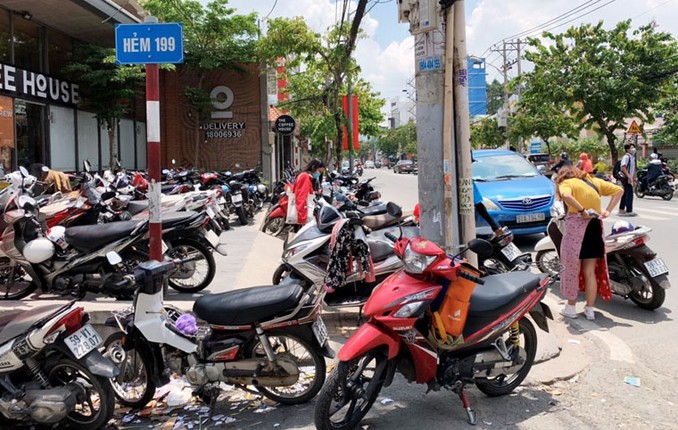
[490,205]
[413,262]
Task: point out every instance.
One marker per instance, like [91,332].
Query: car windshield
[402,162]
[500,167]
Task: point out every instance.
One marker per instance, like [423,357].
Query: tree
[668,134]
[495,97]
[396,141]
[486,134]
[602,77]
[538,117]
[214,38]
[107,89]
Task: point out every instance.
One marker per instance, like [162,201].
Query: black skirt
[592,246]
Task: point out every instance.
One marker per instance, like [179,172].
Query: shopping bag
[310,206]
[292,215]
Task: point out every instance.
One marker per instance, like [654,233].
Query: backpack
[616,171]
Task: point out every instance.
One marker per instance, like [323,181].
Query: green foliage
[396,141]
[592,146]
[495,97]
[668,134]
[106,88]
[602,77]
[486,134]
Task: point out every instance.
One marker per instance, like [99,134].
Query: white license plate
[320,331]
[210,212]
[165,248]
[212,238]
[656,267]
[510,251]
[83,341]
[237,198]
[530,217]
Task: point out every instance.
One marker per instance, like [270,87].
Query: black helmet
[563,155]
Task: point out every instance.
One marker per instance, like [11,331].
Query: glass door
[30,135]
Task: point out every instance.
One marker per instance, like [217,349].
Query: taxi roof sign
[634,128]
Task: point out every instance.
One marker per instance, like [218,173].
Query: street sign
[149,43]
[634,128]
[285,125]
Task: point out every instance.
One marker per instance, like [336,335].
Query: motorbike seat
[173,219]
[378,209]
[249,305]
[501,290]
[376,222]
[15,322]
[381,247]
[88,238]
[137,206]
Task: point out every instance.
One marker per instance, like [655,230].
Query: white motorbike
[635,271]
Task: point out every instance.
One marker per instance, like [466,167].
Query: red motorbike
[274,223]
[439,324]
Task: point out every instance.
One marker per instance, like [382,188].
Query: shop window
[30,135]
[59,48]
[27,47]
[5,41]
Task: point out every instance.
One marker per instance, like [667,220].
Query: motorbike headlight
[409,310]
[291,251]
[490,205]
[413,304]
[413,262]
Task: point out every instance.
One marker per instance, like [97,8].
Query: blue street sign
[149,43]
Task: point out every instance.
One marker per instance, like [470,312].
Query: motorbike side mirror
[174,161]
[27,203]
[481,247]
[394,210]
[165,171]
[108,195]
[24,172]
[113,258]
[87,166]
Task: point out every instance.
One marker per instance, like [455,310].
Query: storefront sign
[222,100]
[25,84]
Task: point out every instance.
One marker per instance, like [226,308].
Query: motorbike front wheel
[197,267]
[133,387]
[310,363]
[668,195]
[240,211]
[274,226]
[505,384]
[350,391]
[95,405]
[639,193]
[548,262]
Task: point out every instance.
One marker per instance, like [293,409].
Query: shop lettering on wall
[26,84]
[222,100]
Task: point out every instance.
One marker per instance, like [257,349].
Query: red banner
[354,123]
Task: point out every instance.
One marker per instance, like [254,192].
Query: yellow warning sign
[634,128]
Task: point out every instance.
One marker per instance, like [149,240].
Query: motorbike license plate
[83,341]
[511,252]
[212,238]
[656,267]
[165,248]
[530,217]
[210,212]
[320,331]
[237,198]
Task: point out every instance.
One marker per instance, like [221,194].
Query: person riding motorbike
[654,170]
[564,161]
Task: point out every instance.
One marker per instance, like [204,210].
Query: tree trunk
[111,144]
[611,142]
[196,164]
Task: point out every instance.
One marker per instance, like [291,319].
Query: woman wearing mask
[306,184]
[582,250]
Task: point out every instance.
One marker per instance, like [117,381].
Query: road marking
[619,350]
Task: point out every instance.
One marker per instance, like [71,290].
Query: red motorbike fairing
[388,294]
[368,337]
[277,213]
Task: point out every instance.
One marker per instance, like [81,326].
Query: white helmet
[261,188]
[39,250]
[57,234]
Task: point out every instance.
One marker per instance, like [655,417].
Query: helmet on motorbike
[620,227]
[327,217]
[57,234]
[38,250]
[261,188]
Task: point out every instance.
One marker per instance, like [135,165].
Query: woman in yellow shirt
[582,251]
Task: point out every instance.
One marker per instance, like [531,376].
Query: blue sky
[387,58]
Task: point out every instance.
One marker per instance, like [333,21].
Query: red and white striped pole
[153,154]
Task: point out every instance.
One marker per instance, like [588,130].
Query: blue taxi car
[514,192]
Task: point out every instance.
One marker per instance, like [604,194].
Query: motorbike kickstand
[466,403]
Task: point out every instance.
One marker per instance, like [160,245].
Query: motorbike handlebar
[391,237]
[470,277]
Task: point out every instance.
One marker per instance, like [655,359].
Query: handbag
[292,215]
[310,206]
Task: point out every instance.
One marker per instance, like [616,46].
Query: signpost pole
[153,153]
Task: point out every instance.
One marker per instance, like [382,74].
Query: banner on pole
[354,123]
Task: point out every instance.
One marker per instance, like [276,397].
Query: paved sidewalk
[253,257]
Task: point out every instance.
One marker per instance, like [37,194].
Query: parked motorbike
[270,337]
[660,187]
[635,271]
[409,331]
[51,371]
[505,256]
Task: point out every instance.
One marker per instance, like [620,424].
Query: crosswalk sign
[634,128]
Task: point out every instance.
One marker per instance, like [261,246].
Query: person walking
[628,169]
[582,250]
[585,163]
[305,186]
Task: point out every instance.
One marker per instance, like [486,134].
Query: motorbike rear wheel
[274,226]
[649,300]
[240,211]
[548,262]
[350,391]
[505,384]
[494,266]
[133,387]
[96,406]
[194,275]
[19,286]
[310,363]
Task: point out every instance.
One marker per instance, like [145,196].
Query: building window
[5,41]
[30,135]
[59,48]
[27,47]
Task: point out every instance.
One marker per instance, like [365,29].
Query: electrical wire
[272,9]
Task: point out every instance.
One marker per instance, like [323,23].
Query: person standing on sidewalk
[306,184]
[582,250]
[628,169]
